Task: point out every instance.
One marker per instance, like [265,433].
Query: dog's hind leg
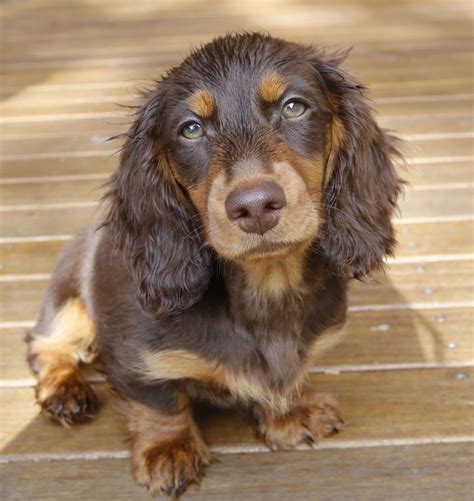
[63,338]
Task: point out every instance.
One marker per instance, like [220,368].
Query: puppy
[252,186]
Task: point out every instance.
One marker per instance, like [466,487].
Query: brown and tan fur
[202,103]
[167,449]
[56,357]
[312,417]
[218,270]
[272,87]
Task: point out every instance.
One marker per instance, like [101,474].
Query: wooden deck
[404,376]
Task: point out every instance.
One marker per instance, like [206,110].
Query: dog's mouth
[267,249]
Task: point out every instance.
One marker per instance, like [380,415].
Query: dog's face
[256,148]
[248,143]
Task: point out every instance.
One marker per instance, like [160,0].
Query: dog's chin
[277,245]
[268,250]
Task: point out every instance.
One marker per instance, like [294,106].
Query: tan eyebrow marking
[272,87]
[202,103]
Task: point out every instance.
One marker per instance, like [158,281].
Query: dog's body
[253,185]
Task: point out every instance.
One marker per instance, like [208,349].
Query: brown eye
[192,130]
[293,109]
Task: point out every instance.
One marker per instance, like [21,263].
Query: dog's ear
[152,222]
[361,184]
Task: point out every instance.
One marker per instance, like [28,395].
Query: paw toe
[68,402]
[170,470]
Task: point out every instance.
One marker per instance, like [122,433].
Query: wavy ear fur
[152,222]
[362,186]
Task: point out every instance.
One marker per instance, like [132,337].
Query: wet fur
[182,304]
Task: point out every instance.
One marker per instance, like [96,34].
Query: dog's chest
[268,374]
[264,362]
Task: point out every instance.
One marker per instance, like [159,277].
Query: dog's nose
[256,209]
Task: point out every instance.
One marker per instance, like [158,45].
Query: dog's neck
[268,303]
[268,294]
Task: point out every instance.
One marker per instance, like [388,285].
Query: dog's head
[252,148]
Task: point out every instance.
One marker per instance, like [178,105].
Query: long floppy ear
[152,222]
[362,186]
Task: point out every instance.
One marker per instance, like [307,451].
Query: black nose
[256,209]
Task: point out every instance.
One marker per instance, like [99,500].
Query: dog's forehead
[237,68]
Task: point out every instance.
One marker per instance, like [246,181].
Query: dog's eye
[293,109]
[192,130]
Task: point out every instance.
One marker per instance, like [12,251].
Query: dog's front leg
[168,453]
[310,417]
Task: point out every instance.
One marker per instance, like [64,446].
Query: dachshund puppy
[252,186]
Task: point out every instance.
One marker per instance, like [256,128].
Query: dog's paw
[311,417]
[68,399]
[169,468]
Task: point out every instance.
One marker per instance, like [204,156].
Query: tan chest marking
[183,364]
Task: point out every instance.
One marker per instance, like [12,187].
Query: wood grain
[51,222]
[433,471]
[378,405]
[64,69]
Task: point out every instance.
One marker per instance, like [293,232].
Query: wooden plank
[430,337]
[95,128]
[61,73]
[434,239]
[438,148]
[414,283]
[439,337]
[299,23]
[415,242]
[116,92]
[51,193]
[58,166]
[440,203]
[125,16]
[440,173]
[432,471]
[29,257]
[86,44]
[12,112]
[378,406]
[60,55]
[45,222]
[143,10]
[431,282]
[85,141]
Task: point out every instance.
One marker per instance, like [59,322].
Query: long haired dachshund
[252,186]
